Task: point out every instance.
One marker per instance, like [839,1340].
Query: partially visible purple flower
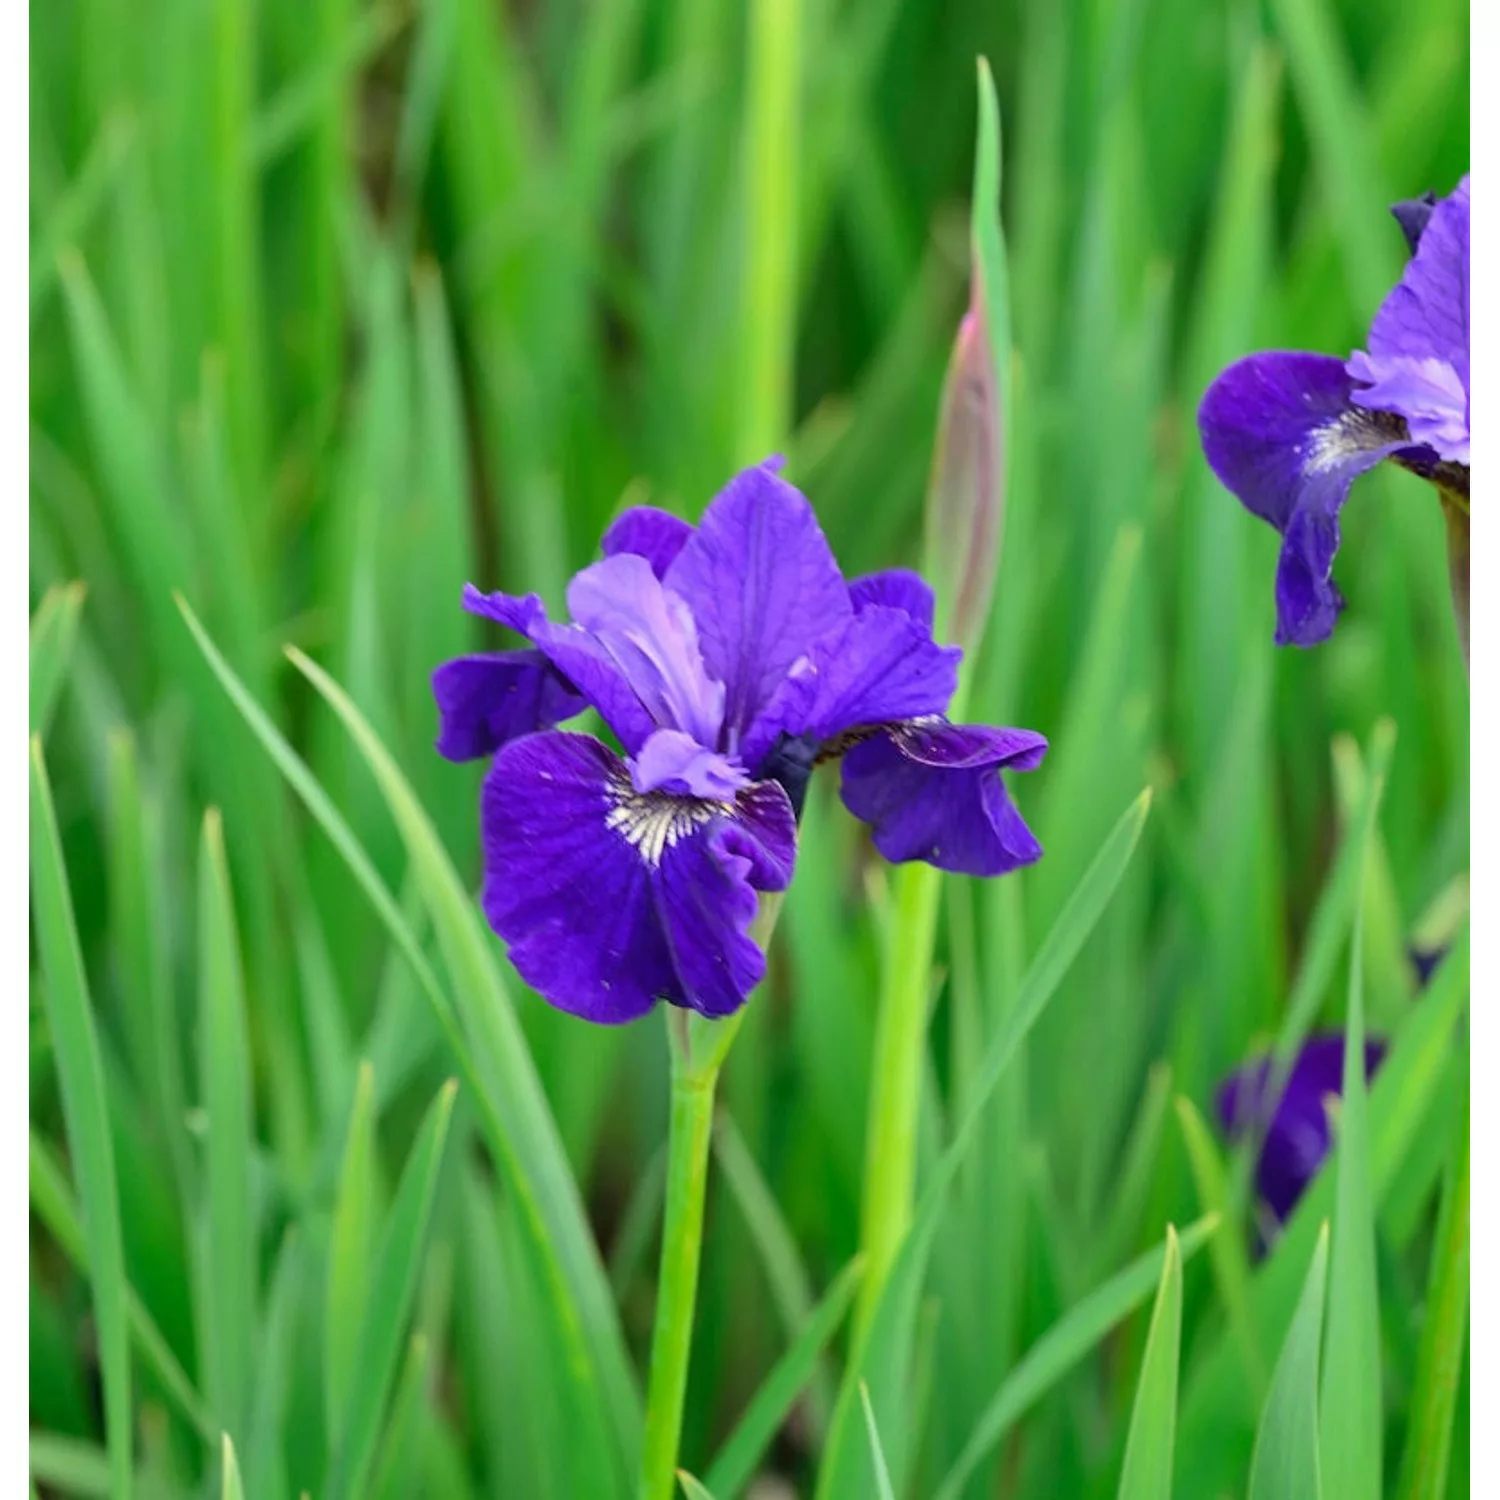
[1294,1132]
[1289,432]
[728,660]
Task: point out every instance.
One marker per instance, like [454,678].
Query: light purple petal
[575,653]
[958,817]
[571,895]
[656,535]
[486,700]
[649,633]
[762,585]
[1418,360]
[672,761]
[899,588]
[877,667]
[706,895]
[1280,431]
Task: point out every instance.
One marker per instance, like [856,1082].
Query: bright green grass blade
[1445,1326]
[1147,1474]
[638,1227]
[1139,1164]
[274,1360]
[85,1114]
[883,1486]
[1080,1330]
[54,628]
[734,1465]
[693,1488]
[351,1253]
[1230,1262]
[393,1474]
[52,1202]
[391,1292]
[224,1081]
[79,1470]
[882,1357]
[1350,1409]
[232,1488]
[768,309]
[1285,1462]
[530,1149]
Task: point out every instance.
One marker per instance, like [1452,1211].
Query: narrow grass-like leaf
[1350,1412]
[1445,1327]
[1081,1329]
[232,1488]
[1147,1473]
[53,629]
[694,1489]
[1285,1462]
[85,1113]
[224,1073]
[883,1486]
[351,1253]
[393,1474]
[391,1292]
[52,1202]
[274,1369]
[734,1465]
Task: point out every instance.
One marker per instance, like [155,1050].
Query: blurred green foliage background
[335,306]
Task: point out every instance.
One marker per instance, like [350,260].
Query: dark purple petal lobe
[958,817]
[1280,431]
[570,894]
[577,655]
[485,700]
[762,585]
[656,535]
[898,588]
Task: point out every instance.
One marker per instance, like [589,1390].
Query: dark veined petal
[877,667]
[762,585]
[570,895]
[610,898]
[706,894]
[1418,360]
[1296,1138]
[485,700]
[898,588]
[656,535]
[934,793]
[576,654]
[1280,431]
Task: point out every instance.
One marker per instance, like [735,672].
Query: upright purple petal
[1281,432]
[656,535]
[1418,360]
[877,667]
[762,585]
[485,700]
[571,896]
[934,793]
[650,634]
[577,655]
[898,588]
[706,895]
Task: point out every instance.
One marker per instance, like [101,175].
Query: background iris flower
[1289,432]
[729,660]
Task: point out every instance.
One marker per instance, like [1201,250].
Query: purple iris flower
[728,660]
[1294,1135]
[1289,432]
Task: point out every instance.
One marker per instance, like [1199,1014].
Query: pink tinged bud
[966,493]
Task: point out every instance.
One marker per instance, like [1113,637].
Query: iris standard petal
[651,636]
[487,699]
[706,889]
[934,793]
[571,896]
[762,585]
[898,588]
[645,531]
[877,667]
[577,655]
[1417,365]
[1281,432]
